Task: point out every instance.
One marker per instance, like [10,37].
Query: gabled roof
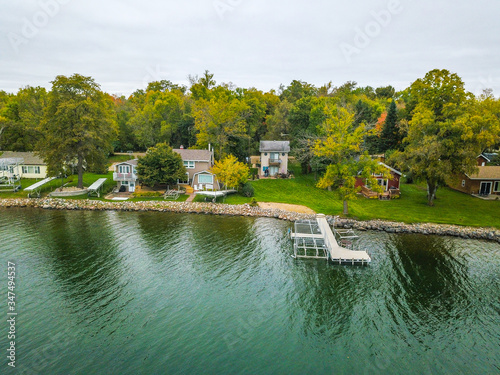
[486,173]
[29,157]
[204,172]
[194,155]
[490,155]
[485,157]
[129,162]
[276,146]
[391,169]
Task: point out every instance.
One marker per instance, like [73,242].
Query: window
[496,187]
[189,164]
[205,179]
[123,169]
[382,183]
[31,169]
[463,183]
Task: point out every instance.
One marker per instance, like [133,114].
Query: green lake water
[161,293]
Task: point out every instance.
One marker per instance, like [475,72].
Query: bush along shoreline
[491,234]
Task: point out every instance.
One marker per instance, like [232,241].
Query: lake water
[161,293]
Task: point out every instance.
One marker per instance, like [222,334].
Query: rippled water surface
[157,293]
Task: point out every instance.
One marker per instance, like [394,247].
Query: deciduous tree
[220,120]
[231,172]
[341,142]
[160,165]
[447,130]
[79,125]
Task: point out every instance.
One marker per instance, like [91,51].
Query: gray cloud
[124,44]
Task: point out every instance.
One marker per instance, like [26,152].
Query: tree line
[233,120]
[432,129]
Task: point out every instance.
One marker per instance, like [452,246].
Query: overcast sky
[125,44]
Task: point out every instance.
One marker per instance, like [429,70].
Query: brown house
[195,161]
[482,160]
[486,181]
[386,183]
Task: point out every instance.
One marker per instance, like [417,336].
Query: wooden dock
[315,239]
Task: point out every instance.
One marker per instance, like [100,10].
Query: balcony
[124,176]
[274,161]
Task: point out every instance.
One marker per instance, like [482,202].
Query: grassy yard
[119,158]
[88,179]
[451,207]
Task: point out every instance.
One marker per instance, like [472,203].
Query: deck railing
[124,176]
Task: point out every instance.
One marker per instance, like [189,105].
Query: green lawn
[119,158]
[88,179]
[451,207]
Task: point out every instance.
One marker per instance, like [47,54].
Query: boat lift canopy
[95,188]
[10,178]
[315,239]
[36,188]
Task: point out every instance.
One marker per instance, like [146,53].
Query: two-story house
[125,175]
[196,161]
[273,157]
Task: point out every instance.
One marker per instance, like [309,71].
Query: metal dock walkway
[315,239]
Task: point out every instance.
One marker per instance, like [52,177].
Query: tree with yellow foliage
[231,172]
[341,142]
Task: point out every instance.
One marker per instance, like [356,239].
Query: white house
[125,175]
[273,157]
[32,166]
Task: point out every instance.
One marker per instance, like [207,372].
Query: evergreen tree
[390,137]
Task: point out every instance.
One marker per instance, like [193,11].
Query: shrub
[253,202]
[247,190]
[254,172]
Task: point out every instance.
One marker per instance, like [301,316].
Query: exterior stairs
[189,189]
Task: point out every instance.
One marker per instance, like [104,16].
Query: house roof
[277,146]
[486,173]
[484,156]
[130,162]
[389,168]
[194,155]
[29,157]
[204,172]
[490,155]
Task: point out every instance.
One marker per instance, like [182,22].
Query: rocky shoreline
[491,234]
